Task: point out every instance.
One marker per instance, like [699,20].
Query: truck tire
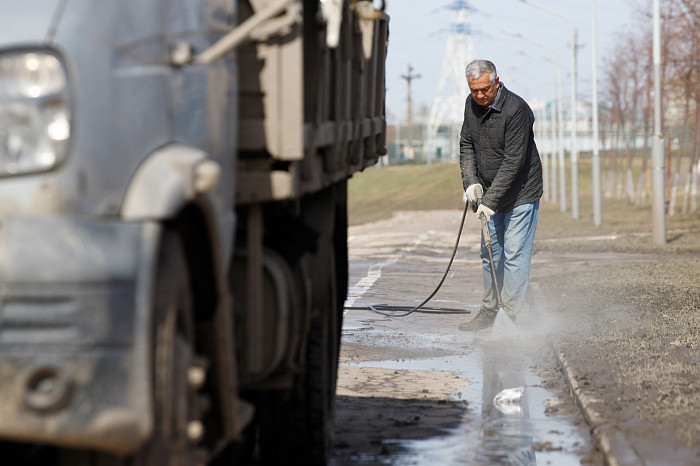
[321,375]
[296,426]
[174,400]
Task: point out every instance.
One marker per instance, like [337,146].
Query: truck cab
[173,222]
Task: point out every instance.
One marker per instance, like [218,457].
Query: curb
[616,450]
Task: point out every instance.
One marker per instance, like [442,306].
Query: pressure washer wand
[503,324]
[487,242]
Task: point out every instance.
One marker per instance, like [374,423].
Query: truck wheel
[323,372]
[321,375]
[297,425]
[176,426]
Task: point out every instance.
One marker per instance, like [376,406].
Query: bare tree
[626,86]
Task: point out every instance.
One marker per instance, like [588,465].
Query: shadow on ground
[367,429]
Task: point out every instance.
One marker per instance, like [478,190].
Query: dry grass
[655,358]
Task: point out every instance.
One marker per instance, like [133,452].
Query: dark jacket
[497,150]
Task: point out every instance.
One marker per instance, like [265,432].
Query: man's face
[483,92]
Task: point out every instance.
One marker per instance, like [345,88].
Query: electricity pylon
[448,104]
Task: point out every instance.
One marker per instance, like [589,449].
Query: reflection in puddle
[507,434]
[516,432]
[507,401]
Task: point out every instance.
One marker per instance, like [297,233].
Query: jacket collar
[497,104]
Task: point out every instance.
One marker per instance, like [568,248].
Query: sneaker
[483,320]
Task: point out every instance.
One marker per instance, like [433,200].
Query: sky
[419,31]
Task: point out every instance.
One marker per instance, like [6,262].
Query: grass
[378,192]
[656,361]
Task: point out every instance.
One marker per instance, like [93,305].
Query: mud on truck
[173,224]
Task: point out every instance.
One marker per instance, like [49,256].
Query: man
[498,158]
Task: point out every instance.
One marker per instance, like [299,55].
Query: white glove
[484,210]
[473,193]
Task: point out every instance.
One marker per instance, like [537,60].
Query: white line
[374,273]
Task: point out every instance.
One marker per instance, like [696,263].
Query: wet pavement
[415,390]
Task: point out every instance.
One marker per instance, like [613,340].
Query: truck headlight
[35,113]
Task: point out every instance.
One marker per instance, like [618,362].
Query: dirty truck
[173,224]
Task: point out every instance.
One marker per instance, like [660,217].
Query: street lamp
[574,147]
[547,62]
[595,159]
[560,120]
[658,167]
[543,134]
[540,135]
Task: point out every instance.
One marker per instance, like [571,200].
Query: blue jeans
[512,235]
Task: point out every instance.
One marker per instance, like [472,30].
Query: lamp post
[542,135]
[658,167]
[553,167]
[560,120]
[595,160]
[574,146]
[550,192]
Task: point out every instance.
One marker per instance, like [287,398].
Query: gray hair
[477,68]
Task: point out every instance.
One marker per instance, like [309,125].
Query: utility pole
[658,167]
[409,77]
[574,146]
[597,204]
[409,110]
[558,104]
[574,135]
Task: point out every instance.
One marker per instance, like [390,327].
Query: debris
[545,446]
[507,400]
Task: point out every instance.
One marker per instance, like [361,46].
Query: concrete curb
[616,450]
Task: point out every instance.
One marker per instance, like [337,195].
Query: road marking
[374,273]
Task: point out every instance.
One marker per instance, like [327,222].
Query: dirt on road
[418,382]
[625,321]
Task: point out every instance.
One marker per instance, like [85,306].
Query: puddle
[487,435]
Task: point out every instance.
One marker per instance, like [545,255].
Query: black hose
[390,311]
[423,310]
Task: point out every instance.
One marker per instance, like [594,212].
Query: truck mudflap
[74,332]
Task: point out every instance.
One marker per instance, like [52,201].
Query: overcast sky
[419,31]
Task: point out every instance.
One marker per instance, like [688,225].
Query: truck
[173,224]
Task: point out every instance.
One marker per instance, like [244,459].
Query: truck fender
[170,177]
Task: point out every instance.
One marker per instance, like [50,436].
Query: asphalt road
[415,390]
